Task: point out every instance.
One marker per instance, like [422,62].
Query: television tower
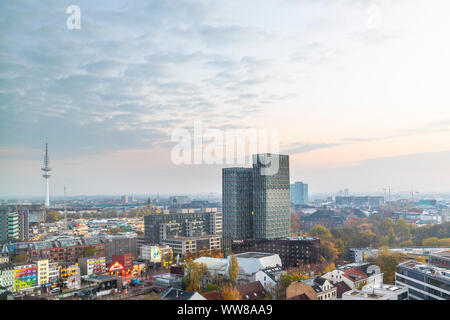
[46,175]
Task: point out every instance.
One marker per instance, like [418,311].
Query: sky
[357,89]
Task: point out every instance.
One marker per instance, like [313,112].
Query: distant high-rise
[46,175]
[256,203]
[299,193]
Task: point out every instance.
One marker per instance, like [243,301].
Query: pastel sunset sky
[358,90]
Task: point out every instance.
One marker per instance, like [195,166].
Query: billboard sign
[155,254]
[116,266]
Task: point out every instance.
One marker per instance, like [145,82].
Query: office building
[9,226]
[271,201]
[121,244]
[237,198]
[359,201]
[182,223]
[256,201]
[183,245]
[327,218]
[424,282]
[293,251]
[299,193]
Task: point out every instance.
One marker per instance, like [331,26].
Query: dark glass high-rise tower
[271,198]
[237,198]
[256,203]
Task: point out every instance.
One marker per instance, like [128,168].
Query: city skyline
[356,89]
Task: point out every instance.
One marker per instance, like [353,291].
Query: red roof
[354,274]
[212,295]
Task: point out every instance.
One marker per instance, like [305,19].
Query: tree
[444,242]
[229,292]
[328,251]
[321,232]
[233,269]
[194,275]
[388,261]
[23,257]
[52,216]
[430,242]
[211,287]
[402,230]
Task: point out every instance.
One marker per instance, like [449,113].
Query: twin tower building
[256,201]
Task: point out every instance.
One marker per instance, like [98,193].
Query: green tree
[211,287]
[321,232]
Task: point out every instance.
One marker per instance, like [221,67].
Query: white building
[250,263]
[377,292]
[43,271]
[356,275]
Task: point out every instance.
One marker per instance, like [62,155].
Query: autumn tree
[402,230]
[52,216]
[229,292]
[444,242]
[388,261]
[194,273]
[233,269]
[430,242]
[328,251]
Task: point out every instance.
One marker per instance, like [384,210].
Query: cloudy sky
[358,91]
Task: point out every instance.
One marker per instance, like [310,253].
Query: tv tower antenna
[46,169]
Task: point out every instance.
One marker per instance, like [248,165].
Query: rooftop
[253,255]
[427,269]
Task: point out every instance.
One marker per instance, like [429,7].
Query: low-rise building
[25,276]
[441,259]
[356,275]
[315,288]
[155,253]
[92,265]
[377,292]
[250,264]
[7,277]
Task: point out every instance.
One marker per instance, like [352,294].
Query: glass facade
[237,197]
[271,198]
